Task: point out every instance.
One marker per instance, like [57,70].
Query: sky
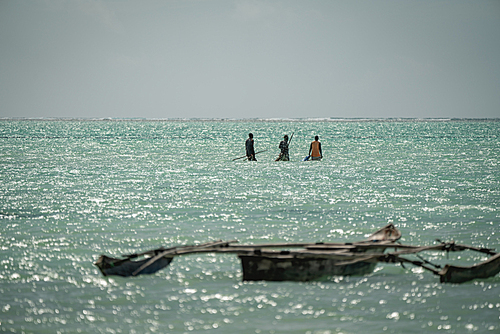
[250,59]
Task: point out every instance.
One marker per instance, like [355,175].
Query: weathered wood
[160,258]
[295,268]
[309,261]
[162,249]
[459,274]
[125,267]
[386,233]
[177,251]
[405,249]
[310,264]
[449,274]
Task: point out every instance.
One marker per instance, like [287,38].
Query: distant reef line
[332,119]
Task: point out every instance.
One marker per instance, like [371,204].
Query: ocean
[73,189]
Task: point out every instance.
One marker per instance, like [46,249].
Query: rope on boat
[391,258]
[427,262]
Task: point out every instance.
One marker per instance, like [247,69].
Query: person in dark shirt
[284,150]
[249,148]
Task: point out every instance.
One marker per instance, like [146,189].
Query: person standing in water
[284,150]
[249,148]
[315,149]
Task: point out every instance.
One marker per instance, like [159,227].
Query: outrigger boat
[310,261]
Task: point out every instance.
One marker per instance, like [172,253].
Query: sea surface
[71,190]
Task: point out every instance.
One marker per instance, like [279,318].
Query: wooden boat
[310,261]
[158,259]
[316,261]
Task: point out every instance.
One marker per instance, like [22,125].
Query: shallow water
[72,190]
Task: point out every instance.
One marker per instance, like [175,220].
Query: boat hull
[293,268]
[110,266]
[457,274]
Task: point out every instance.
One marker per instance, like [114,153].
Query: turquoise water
[71,190]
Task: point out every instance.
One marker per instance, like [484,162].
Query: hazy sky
[249,58]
